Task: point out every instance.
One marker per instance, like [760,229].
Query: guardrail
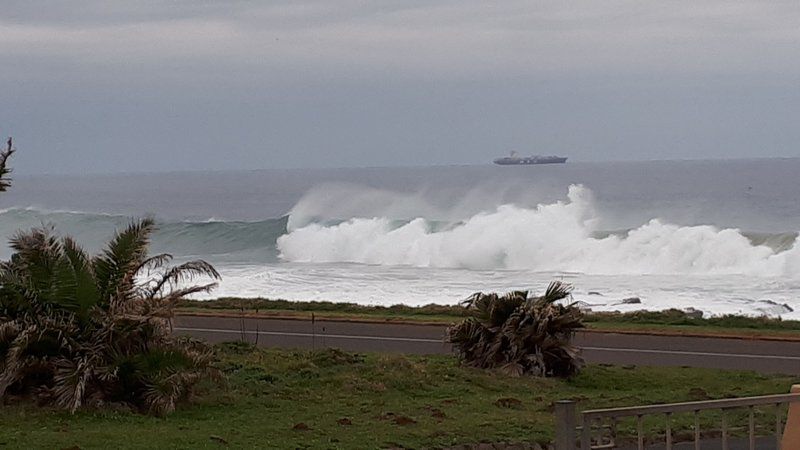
[605,436]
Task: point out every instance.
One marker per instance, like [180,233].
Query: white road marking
[439,341]
[686,353]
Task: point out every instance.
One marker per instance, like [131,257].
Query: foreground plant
[5,169]
[520,335]
[78,330]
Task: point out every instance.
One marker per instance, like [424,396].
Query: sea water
[716,236]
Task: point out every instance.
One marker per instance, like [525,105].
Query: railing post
[586,433]
[565,425]
[791,436]
[788,440]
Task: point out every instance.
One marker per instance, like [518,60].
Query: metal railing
[566,421]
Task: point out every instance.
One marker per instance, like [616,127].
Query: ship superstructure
[515,159]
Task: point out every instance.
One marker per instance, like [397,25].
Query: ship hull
[510,161]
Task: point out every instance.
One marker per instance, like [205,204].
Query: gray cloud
[464,38]
[327,83]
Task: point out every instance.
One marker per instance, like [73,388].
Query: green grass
[433,313]
[660,321]
[390,400]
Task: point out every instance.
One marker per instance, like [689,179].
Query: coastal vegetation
[81,331]
[667,321]
[332,399]
[520,335]
[5,169]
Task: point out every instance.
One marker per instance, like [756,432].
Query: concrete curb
[307,316]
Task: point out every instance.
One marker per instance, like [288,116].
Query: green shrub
[78,330]
[520,335]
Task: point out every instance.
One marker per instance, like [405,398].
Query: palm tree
[78,330]
[5,182]
[520,335]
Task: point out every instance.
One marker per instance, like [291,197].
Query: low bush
[77,330]
[520,335]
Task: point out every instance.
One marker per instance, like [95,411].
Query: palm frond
[116,267]
[154,262]
[517,335]
[182,273]
[5,170]
[557,290]
[78,331]
[71,380]
[86,292]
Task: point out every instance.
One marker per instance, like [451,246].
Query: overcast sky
[119,86]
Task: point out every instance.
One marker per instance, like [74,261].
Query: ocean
[716,236]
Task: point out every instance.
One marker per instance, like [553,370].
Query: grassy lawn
[670,321]
[331,399]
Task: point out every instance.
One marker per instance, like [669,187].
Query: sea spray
[331,203]
[560,236]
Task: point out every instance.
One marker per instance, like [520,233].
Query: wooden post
[791,431]
[565,425]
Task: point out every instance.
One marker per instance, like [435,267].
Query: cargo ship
[515,160]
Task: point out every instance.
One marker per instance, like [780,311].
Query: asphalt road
[612,348]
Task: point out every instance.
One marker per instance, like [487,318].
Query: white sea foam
[389,285]
[462,242]
[549,237]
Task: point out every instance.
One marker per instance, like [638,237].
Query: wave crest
[246,241]
[560,236]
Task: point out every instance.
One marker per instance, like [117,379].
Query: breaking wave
[560,236]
